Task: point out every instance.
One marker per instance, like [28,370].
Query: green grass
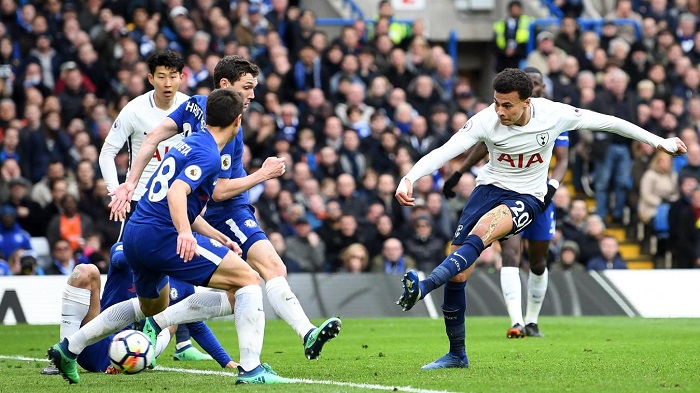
[591,354]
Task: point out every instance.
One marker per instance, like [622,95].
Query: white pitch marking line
[306,381]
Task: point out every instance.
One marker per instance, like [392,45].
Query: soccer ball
[131,351]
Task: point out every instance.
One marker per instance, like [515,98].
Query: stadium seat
[41,245]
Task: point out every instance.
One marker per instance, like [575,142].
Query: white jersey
[519,156]
[138,117]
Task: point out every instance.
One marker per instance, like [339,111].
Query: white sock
[536,289]
[197,307]
[75,304]
[183,344]
[511,288]
[250,325]
[107,322]
[286,305]
[162,341]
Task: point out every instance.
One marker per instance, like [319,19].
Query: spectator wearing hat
[306,247]
[568,259]
[251,24]
[29,264]
[12,236]
[28,211]
[538,58]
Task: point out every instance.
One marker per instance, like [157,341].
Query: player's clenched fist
[404,193]
[673,146]
[273,167]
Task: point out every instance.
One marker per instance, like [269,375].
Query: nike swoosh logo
[499,144]
[289,298]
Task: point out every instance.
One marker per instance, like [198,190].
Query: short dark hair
[513,79]
[532,70]
[223,107]
[233,67]
[165,58]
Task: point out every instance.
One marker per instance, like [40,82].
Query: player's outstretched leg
[263,374]
[411,290]
[65,361]
[316,338]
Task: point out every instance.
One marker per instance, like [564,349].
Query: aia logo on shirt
[542,138]
[520,160]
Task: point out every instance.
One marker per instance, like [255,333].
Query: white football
[131,351]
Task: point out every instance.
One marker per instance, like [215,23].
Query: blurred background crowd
[351,113]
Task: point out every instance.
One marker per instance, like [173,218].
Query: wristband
[554,183]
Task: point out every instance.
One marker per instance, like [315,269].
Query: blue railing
[355,11]
[585,24]
[451,47]
[553,9]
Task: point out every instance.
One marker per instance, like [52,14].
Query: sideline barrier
[645,293]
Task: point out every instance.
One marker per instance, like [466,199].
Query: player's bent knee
[537,266]
[264,259]
[463,275]
[83,275]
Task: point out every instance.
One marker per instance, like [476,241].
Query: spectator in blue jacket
[12,236]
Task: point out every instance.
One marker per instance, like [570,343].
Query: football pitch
[578,354]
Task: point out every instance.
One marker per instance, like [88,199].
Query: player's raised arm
[123,193]
[460,142]
[586,119]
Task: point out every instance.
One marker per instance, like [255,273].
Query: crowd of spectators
[350,113]
[652,80]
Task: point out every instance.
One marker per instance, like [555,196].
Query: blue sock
[459,261]
[182,333]
[453,309]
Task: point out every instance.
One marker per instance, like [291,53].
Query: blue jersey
[234,150]
[190,117]
[196,161]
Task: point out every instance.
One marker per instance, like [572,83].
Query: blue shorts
[237,222]
[523,207]
[126,219]
[543,227]
[95,357]
[179,290]
[151,254]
